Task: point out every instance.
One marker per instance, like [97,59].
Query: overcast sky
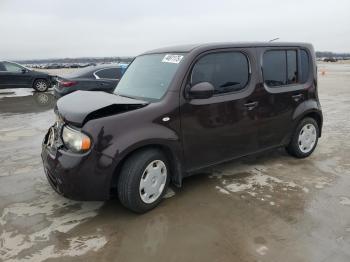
[73,28]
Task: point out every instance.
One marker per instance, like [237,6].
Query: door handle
[297,97]
[251,105]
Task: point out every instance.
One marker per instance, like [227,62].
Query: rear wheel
[304,139]
[143,180]
[41,85]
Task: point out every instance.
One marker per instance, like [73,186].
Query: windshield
[149,76]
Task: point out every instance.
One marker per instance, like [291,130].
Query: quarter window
[292,76]
[226,71]
[305,65]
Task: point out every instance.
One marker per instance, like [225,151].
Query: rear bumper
[79,177]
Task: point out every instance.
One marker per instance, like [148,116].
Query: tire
[304,139]
[41,85]
[145,172]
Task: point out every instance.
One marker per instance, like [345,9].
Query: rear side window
[226,71]
[280,67]
[109,73]
[305,66]
[275,68]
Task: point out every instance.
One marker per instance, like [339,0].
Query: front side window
[226,71]
[148,77]
[109,73]
[13,68]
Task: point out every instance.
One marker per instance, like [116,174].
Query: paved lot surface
[267,208]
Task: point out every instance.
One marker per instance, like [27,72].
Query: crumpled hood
[81,106]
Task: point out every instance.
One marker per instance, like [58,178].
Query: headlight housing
[75,140]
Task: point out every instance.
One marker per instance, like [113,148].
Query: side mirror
[201,90]
[24,71]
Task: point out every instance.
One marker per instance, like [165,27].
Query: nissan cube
[178,110]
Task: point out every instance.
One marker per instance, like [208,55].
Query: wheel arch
[318,117]
[175,162]
[310,108]
[315,114]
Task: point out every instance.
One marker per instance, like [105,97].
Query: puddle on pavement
[24,100]
[28,227]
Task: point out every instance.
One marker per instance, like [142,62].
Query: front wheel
[41,85]
[304,139]
[143,180]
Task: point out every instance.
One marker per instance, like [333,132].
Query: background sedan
[93,78]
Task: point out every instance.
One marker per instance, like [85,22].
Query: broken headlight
[75,140]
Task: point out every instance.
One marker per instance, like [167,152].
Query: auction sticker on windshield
[175,59]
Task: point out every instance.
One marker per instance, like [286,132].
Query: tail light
[67,83]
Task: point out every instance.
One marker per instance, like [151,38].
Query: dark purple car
[178,110]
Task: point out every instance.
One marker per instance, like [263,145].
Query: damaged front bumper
[86,176]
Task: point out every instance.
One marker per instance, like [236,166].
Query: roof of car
[189,48]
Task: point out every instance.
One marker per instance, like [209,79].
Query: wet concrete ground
[267,208]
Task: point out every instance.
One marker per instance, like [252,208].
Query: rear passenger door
[284,78]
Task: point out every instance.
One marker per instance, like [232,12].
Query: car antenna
[274,39]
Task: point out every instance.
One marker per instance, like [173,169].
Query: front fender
[118,144]
[129,142]
[167,140]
